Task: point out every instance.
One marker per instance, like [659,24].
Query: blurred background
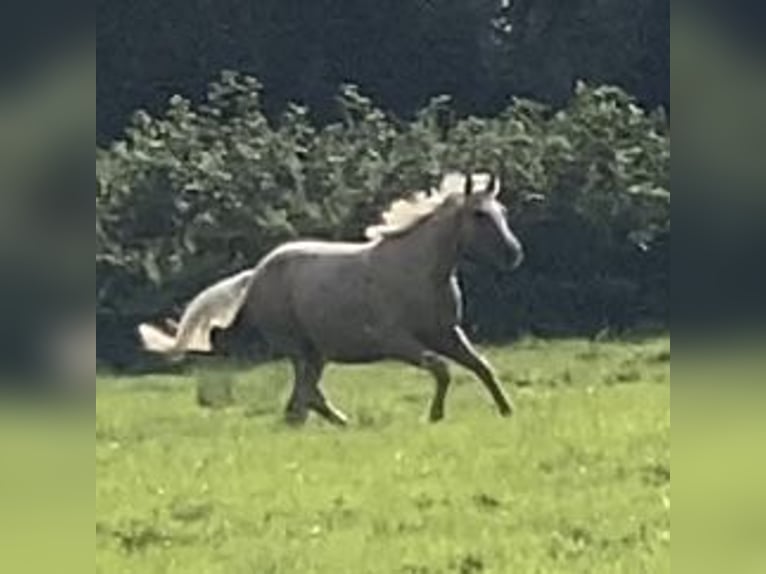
[719,281]
[47,123]
[47,127]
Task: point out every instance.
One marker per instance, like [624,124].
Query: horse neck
[430,251]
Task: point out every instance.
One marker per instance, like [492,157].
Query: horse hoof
[506,411]
[435,417]
[340,420]
[295,419]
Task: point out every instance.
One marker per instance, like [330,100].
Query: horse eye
[480,214]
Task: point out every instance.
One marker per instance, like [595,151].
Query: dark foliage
[401,53]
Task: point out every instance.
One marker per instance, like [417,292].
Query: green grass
[577,481]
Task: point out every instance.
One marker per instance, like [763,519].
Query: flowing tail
[216,307]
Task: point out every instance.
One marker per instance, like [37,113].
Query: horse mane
[403,215]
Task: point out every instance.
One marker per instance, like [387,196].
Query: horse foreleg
[438,368]
[412,352]
[458,348]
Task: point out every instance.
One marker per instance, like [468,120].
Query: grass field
[577,481]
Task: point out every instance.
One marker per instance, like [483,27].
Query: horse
[394,296]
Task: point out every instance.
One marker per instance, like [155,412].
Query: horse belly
[338,313]
[342,331]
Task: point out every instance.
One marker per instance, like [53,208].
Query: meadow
[198,473]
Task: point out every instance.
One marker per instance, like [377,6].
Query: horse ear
[491,184]
[469,184]
[494,185]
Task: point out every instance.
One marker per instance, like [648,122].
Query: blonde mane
[405,214]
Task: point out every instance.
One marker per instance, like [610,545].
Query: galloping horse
[394,296]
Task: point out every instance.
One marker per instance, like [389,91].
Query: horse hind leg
[327,411]
[297,410]
[307,394]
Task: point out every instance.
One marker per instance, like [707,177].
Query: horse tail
[215,307]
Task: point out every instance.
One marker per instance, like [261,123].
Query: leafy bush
[206,190]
